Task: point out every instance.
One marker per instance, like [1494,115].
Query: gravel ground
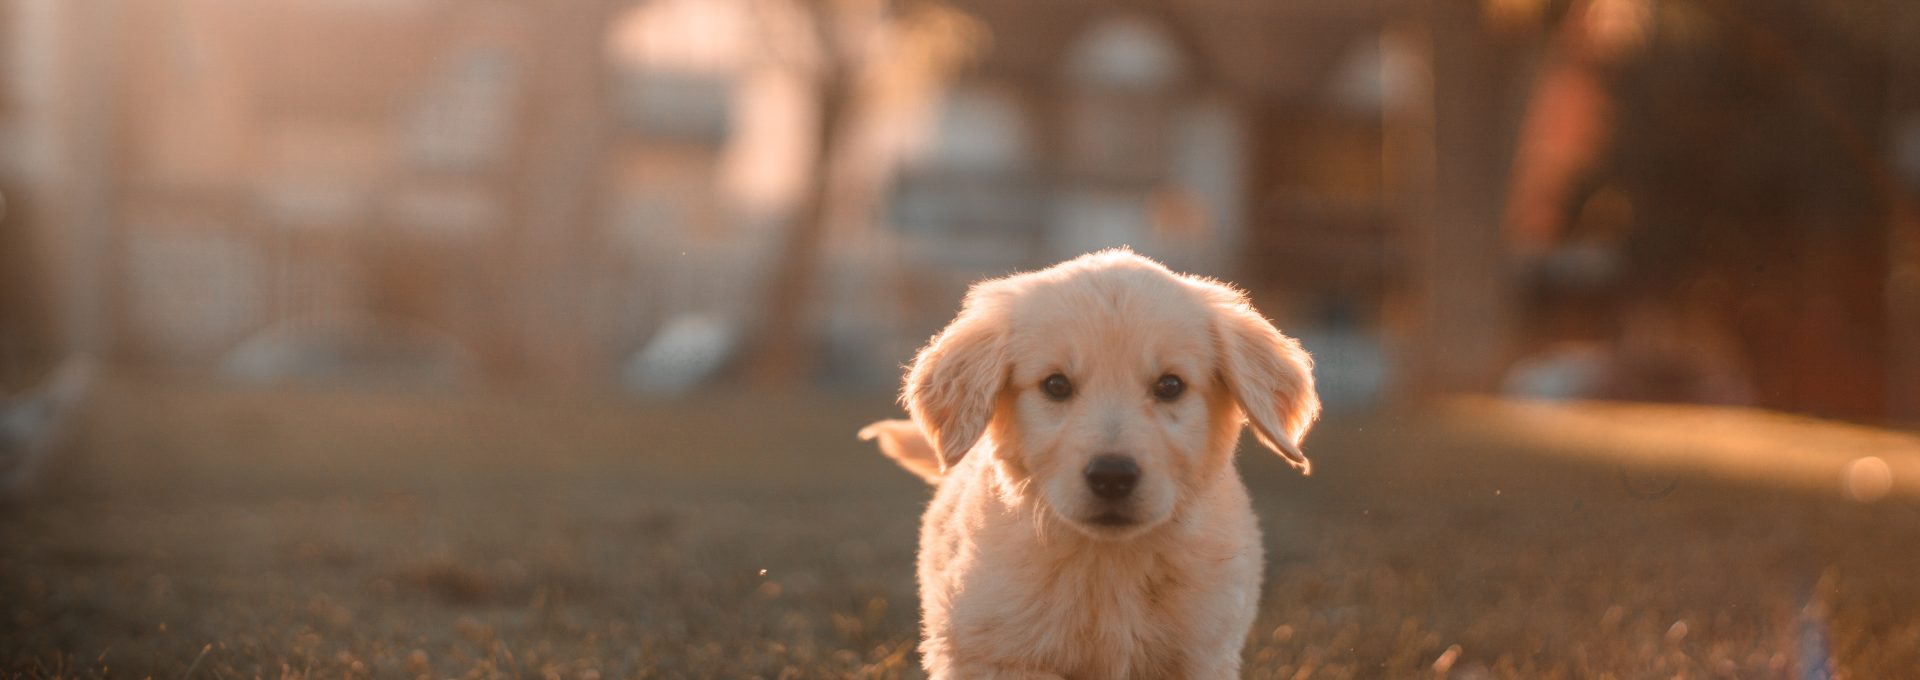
[214,533]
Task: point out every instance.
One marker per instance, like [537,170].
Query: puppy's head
[1112,389]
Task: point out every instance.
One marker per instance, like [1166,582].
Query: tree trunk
[785,346]
[1456,252]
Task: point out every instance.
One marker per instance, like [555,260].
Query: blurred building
[304,185]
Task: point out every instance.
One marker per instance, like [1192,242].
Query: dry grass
[224,534]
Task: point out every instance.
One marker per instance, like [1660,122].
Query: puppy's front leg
[987,671]
[1220,667]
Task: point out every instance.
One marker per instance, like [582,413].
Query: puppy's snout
[1112,477]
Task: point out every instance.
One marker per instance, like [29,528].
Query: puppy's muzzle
[1112,477]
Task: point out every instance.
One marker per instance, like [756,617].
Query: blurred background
[332,243]
[1680,200]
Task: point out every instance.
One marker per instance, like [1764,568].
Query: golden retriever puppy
[1080,423]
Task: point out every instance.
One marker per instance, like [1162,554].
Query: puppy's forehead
[1102,294]
[1144,309]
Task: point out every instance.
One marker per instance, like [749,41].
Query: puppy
[1079,423]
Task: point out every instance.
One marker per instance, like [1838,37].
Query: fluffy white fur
[1017,577]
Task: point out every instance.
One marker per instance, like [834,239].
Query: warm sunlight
[1099,340]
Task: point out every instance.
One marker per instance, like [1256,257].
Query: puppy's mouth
[1111,519]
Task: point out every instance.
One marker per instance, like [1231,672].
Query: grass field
[213,533]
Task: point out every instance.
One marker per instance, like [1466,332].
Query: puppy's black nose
[1112,477]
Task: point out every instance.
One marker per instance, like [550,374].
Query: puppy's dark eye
[1057,387]
[1169,387]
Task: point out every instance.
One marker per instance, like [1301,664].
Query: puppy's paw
[902,441]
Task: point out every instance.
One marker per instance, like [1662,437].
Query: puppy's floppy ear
[1270,376]
[951,388]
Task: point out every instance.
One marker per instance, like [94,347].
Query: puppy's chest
[1094,618]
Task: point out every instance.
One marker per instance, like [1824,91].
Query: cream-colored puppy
[1080,423]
